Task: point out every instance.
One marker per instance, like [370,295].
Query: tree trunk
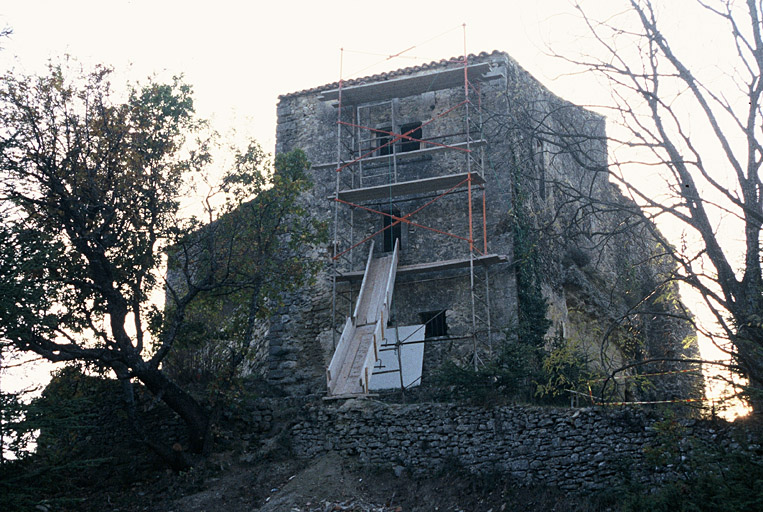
[749,346]
[756,396]
[193,414]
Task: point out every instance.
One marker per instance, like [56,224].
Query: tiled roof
[391,74]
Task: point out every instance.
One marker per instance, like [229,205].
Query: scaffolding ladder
[361,143]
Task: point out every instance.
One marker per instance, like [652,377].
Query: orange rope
[471,233]
[401,219]
[484,221]
[398,54]
[466,66]
[402,136]
[399,137]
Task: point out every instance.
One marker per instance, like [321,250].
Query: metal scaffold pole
[335,248]
[379,132]
[467,129]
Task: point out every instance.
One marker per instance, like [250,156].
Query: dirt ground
[330,483]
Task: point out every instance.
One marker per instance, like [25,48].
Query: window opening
[434,323]
[391,233]
[410,145]
[380,139]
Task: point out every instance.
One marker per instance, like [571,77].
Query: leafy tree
[253,250]
[90,188]
[15,437]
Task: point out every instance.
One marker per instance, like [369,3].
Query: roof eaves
[392,74]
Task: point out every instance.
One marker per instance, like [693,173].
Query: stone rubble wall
[573,449]
[299,339]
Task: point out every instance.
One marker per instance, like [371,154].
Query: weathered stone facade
[308,122]
[540,153]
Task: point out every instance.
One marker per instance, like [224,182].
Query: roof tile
[391,74]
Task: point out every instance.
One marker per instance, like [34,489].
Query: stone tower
[424,166]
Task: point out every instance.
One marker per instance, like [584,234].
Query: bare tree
[704,137]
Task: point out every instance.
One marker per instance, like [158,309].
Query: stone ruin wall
[584,296]
[308,123]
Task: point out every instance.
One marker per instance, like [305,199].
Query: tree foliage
[74,436]
[90,189]
[253,251]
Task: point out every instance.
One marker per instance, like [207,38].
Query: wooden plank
[490,259]
[361,293]
[407,86]
[349,369]
[405,188]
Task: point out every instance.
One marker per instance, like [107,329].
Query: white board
[385,375]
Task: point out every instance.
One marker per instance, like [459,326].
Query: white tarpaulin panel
[386,375]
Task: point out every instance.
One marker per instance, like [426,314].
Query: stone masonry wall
[306,121]
[573,449]
[538,148]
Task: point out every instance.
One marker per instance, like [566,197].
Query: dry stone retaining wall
[574,449]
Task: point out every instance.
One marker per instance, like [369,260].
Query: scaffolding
[369,162]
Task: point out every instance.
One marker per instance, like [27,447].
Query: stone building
[437,167]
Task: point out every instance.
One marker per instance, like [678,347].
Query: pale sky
[239,56]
